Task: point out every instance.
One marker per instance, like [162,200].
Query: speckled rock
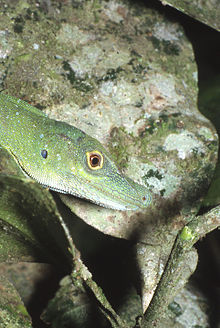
[189,309]
[207,12]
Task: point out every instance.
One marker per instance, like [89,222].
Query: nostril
[147,199]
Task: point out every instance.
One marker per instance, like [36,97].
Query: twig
[81,275]
[165,291]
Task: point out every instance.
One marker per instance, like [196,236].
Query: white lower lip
[113,203]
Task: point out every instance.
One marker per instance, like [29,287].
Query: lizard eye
[94,160]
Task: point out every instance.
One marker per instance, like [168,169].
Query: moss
[111,74]
[171,48]
[136,63]
[162,192]
[32,15]
[23,58]
[19,23]
[155,41]
[159,128]
[175,308]
[78,83]
[187,234]
[151,173]
[119,146]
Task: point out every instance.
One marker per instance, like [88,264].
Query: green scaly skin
[63,165]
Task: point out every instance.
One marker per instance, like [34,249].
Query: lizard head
[86,170]
[67,160]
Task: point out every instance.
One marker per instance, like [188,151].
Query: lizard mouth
[19,164]
[107,197]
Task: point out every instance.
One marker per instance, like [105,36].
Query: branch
[167,287]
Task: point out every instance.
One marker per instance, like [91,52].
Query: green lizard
[65,159]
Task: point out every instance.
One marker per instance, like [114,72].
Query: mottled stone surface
[189,309]
[207,12]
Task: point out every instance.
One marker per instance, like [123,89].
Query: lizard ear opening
[94,160]
[44,153]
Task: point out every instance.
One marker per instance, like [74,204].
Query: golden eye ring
[94,160]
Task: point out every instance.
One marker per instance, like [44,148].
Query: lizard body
[64,158]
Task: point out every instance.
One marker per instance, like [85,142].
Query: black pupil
[94,160]
[44,153]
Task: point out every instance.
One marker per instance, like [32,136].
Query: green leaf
[71,307]
[12,310]
[29,223]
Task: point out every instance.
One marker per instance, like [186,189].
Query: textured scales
[55,154]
